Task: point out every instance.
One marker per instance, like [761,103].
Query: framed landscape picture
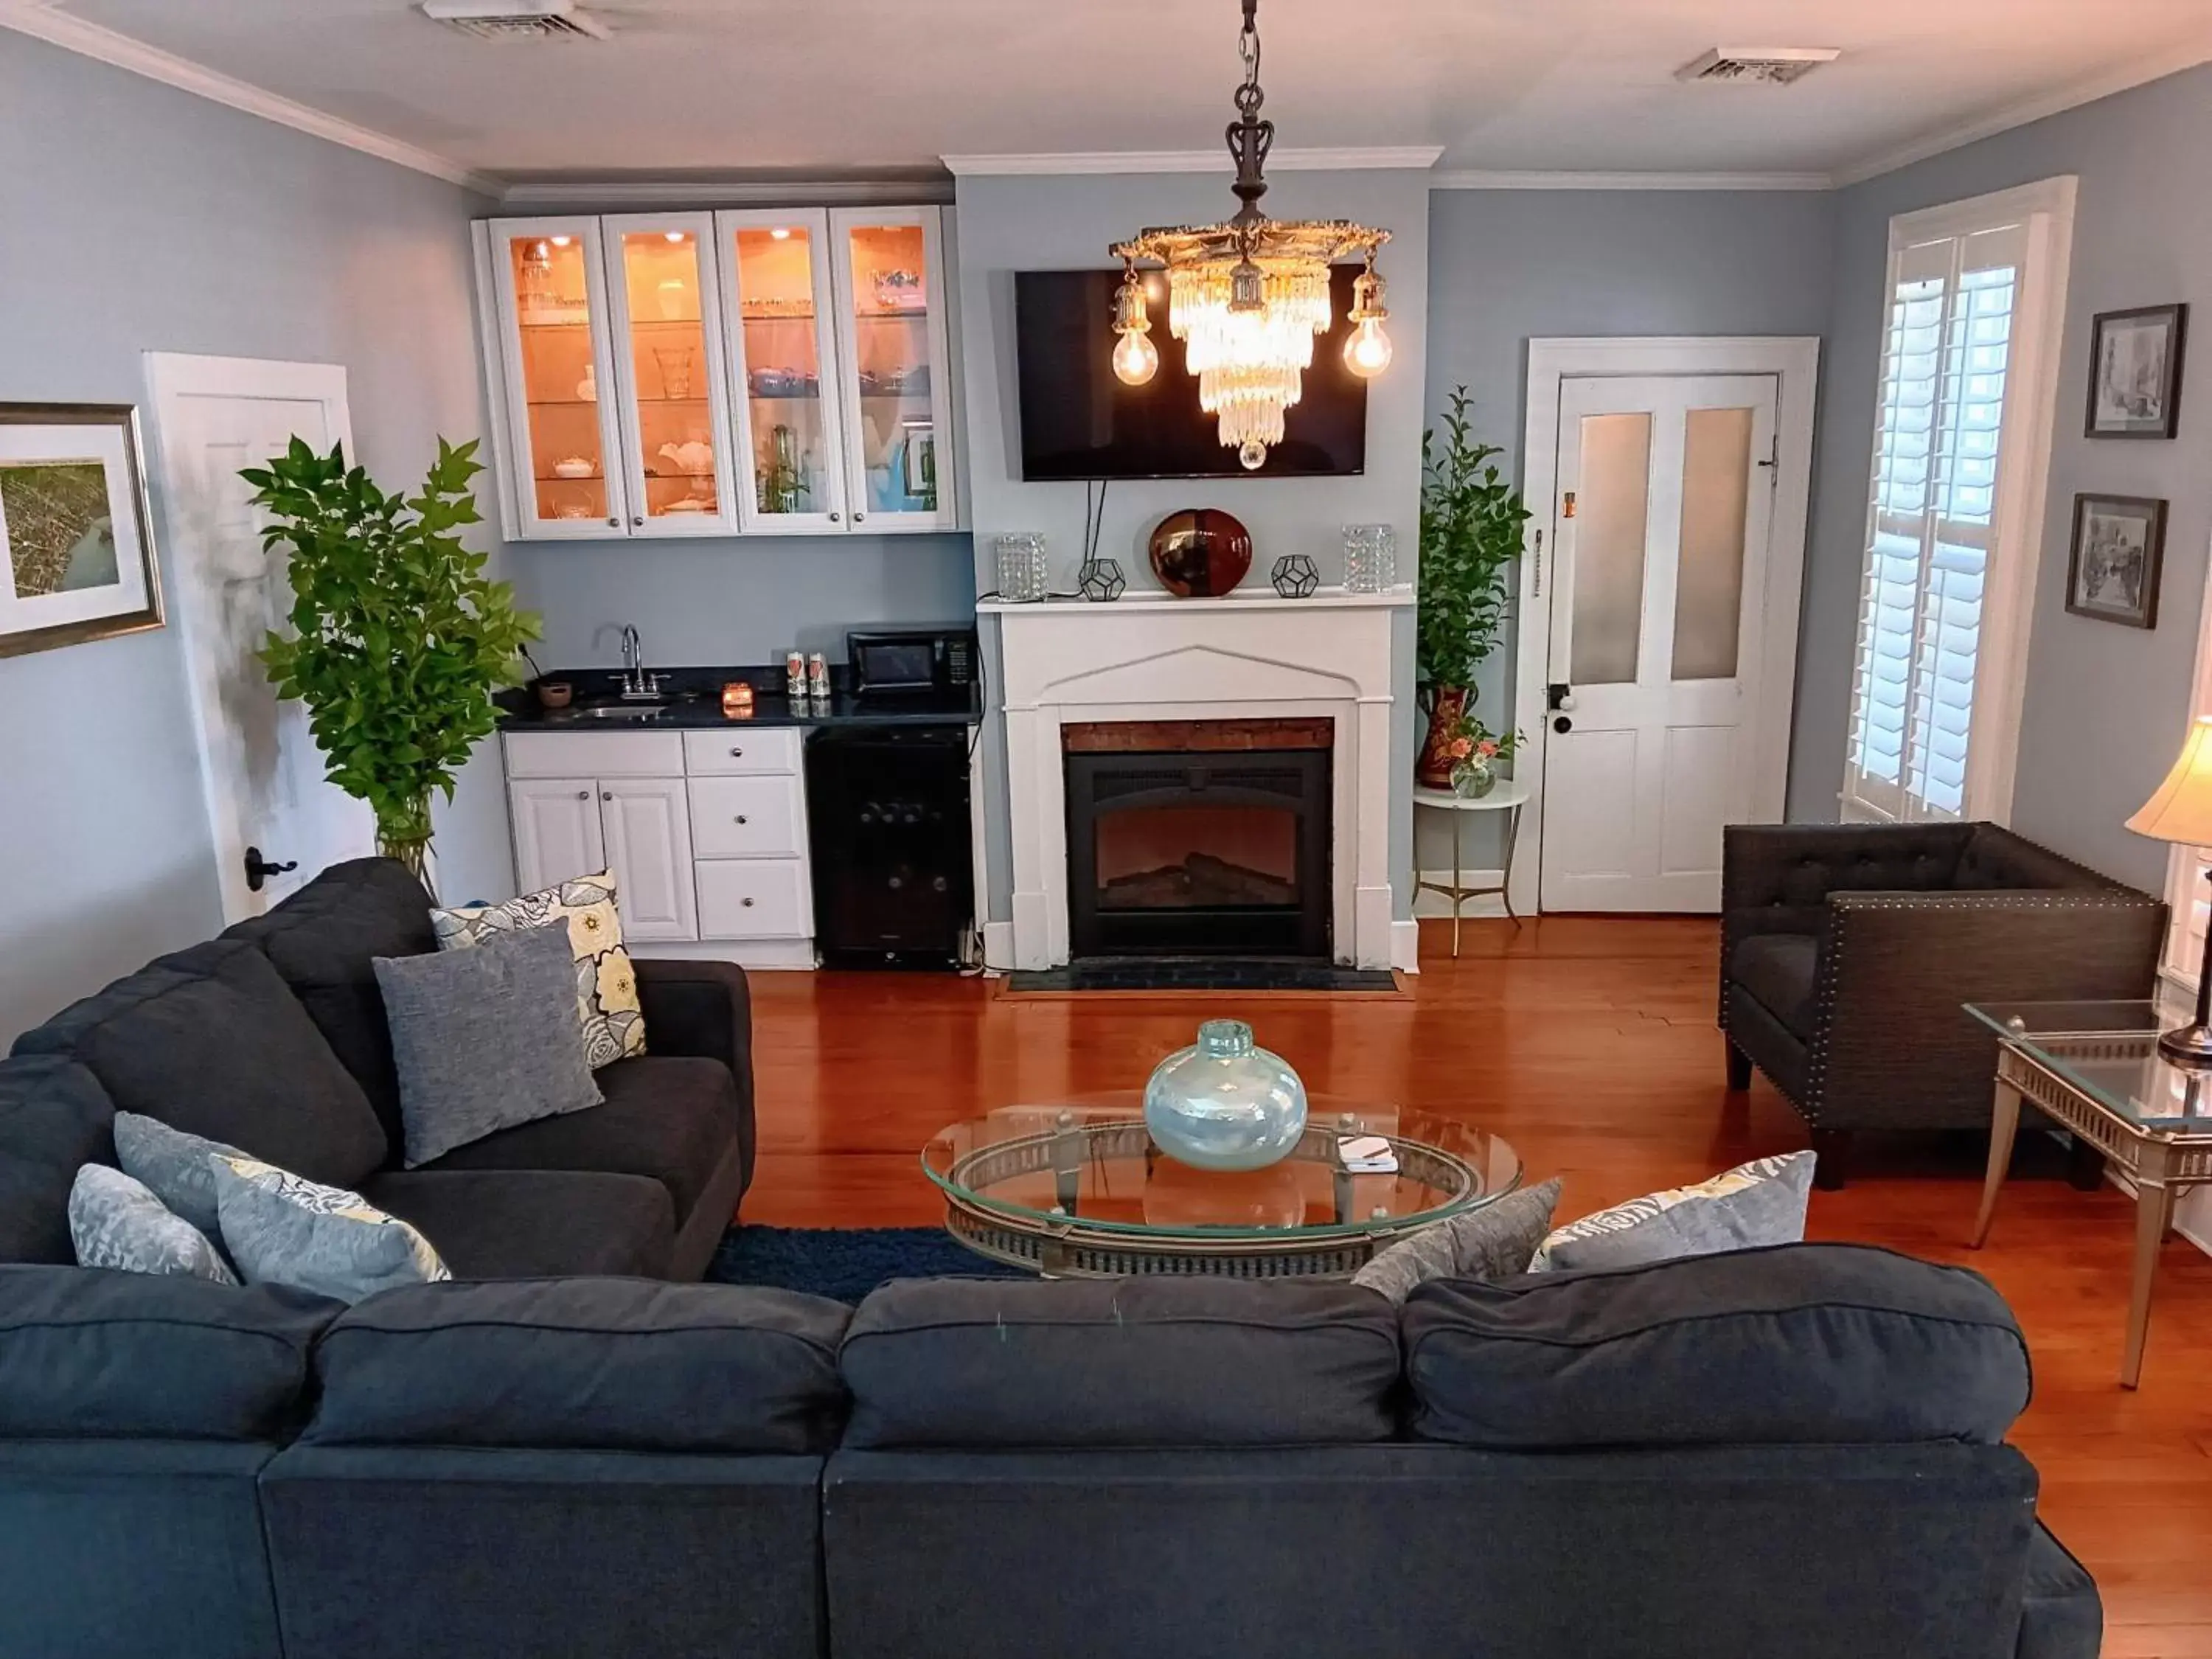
[2119,545]
[76,543]
[2135,372]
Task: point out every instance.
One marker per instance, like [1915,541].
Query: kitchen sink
[630,711]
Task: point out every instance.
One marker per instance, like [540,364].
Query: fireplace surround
[1151,659]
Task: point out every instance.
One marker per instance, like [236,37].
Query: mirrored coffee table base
[1080,1191]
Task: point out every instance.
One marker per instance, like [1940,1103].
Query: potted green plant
[1471,520]
[398,641]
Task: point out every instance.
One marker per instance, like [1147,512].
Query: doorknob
[258,869]
[1563,724]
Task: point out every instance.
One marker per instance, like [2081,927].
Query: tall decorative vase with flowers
[1471,520]
[1477,753]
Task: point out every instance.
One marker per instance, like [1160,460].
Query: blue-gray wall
[2105,705]
[1509,266]
[134,217]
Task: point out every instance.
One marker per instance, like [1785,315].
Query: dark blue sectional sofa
[1786,1454]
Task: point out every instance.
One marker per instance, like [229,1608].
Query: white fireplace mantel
[1153,657]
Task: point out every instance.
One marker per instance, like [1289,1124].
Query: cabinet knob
[639,521]
[736,754]
[742,818]
[606,794]
[583,794]
[614,523]
[833,517]
[747,902]
[857,516]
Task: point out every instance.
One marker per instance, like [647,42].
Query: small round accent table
[1078,1191]
[1507,797]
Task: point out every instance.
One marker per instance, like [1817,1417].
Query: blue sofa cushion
[211,1042]
[87,1354]
[595,1365]
[533,1224]
[323,939]
[54,1119]
[1041,1364]
[1818,1344]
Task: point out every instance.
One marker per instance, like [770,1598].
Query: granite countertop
[694,701]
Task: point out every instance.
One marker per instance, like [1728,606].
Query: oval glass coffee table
[1080,1191]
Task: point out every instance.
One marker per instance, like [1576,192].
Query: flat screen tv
[1080,422]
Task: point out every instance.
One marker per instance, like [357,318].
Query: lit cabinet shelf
[782,371]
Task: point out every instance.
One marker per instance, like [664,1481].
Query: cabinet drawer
[595,754]
[754,898]
[707,754]
[746,817]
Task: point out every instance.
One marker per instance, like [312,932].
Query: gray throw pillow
[1495,1241]
[1762,1202]
[175,1167]
[484,1039]
[283,1229]
[116,1222]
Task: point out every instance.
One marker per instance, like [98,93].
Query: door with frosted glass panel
[1656,590]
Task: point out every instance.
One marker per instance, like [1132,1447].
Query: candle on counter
[738,700]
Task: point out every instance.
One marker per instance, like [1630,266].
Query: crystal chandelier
[1246,297]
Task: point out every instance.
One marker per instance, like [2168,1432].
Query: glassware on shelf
[1020,556]
[1370,558]
[674,363]
[782,486]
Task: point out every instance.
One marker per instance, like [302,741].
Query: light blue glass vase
[1224,1104]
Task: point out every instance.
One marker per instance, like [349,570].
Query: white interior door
[1665,504]
[260,767]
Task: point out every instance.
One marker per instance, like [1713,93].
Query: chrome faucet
[637,685]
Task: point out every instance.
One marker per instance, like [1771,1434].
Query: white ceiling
[854,86]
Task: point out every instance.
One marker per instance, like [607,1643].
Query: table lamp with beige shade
[2180,810]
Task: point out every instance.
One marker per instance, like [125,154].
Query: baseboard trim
[754,956]
[999,946]
[1406,946]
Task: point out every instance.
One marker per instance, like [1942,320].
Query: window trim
[2047,208]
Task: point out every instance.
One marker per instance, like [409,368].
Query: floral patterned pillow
[606,978]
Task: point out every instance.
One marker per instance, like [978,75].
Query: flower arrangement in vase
[1476,754]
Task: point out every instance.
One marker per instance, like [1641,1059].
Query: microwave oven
[911,658]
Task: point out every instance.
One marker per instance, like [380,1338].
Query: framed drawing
[2119,545]
[2135,372]
[77,542]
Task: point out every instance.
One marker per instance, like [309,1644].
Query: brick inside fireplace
[1198,837]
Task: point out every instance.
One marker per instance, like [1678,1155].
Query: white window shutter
[1931,523]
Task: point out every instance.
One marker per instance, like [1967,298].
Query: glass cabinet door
[776,274]
[898,430]
[668,366]
[553,314]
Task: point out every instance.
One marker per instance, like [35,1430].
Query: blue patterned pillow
[117,1222]
[1761,1202]
[282,1229]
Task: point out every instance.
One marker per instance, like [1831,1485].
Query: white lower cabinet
[718,853]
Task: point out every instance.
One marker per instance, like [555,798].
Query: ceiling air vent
[516,20]
[1772,65]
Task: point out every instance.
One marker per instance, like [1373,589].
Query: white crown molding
[2056,101]
[1417,157]
[59,28]
[555,194]
[1457,178]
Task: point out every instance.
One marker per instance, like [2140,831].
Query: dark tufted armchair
[1846,951]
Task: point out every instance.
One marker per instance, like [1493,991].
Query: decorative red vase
[1200,553]
[1434,769]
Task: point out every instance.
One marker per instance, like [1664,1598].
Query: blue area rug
[844,1263]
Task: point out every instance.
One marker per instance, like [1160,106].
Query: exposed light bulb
[781,234]
[1253,455]
[1136,359]
[1367,352]
[676,235]
[562,241]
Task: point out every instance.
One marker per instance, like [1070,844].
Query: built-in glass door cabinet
[784,359]
[664,304]
[888,272]
[564,440]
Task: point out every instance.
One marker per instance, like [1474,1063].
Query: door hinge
[1773,461]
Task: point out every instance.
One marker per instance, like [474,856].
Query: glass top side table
[1507,797]
[2095,1069]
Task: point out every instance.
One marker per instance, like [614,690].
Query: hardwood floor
[1590,1045]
